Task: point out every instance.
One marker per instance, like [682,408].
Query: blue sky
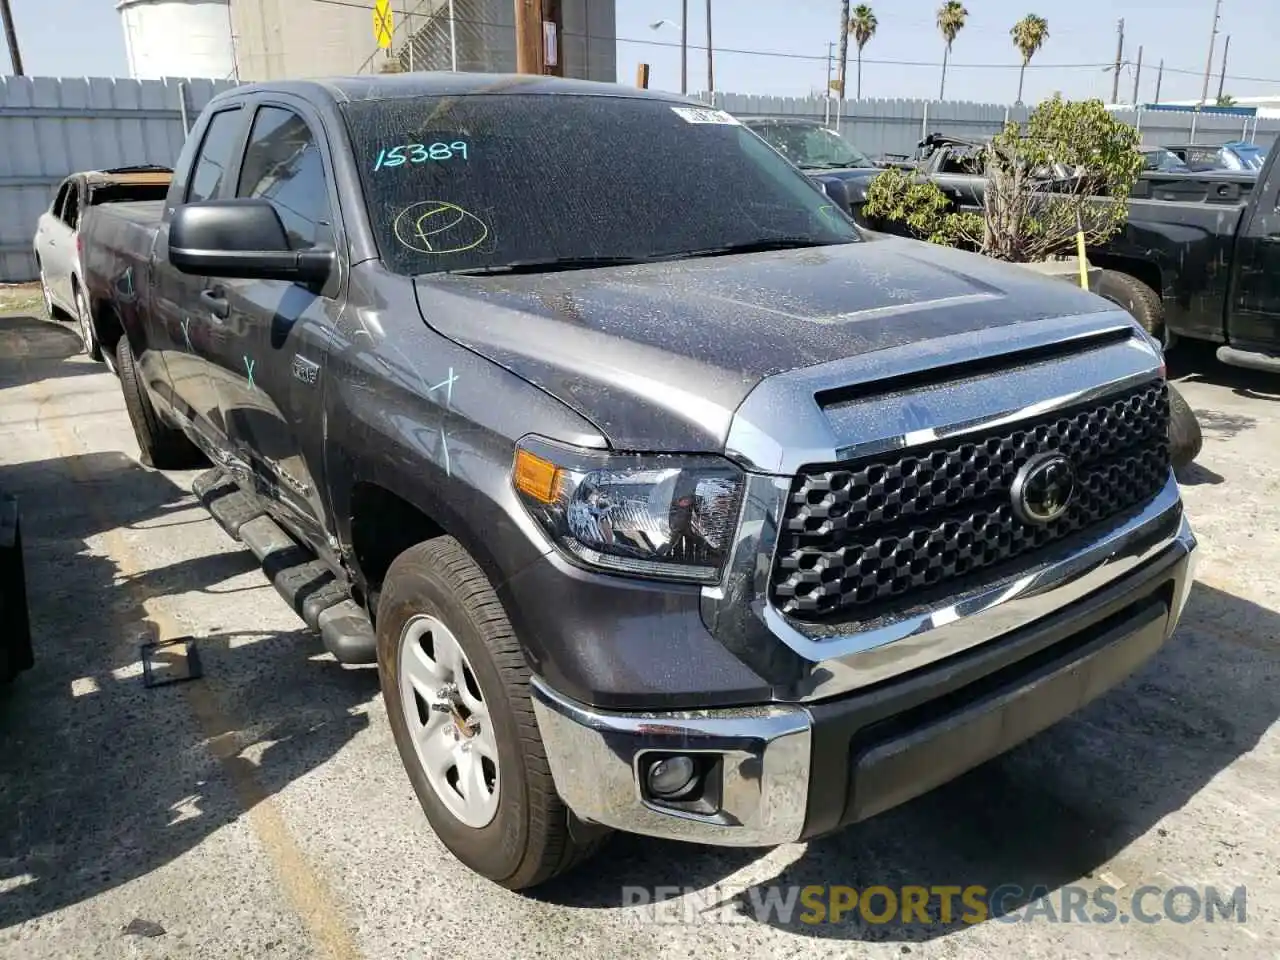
[83,37]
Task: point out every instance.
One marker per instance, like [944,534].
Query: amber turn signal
[536,478]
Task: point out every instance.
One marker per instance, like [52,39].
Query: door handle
[217,303]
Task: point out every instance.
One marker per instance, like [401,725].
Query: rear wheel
[160,445]
[456,687]
[44,292]
[88,334]
[1141,301]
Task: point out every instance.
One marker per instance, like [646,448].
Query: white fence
[880,127]
[50,127]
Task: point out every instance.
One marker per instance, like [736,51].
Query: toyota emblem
[1043,488]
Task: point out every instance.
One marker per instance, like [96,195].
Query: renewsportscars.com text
[946,905]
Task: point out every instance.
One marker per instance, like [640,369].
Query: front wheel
[1185,436]
[456,688]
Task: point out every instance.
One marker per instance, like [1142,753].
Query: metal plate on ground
[170,661]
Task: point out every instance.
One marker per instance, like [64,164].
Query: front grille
[864,539]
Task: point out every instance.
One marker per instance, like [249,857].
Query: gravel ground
[262,811]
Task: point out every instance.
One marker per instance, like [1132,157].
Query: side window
[71,210]
[214,158]
[282,163]
[59,199]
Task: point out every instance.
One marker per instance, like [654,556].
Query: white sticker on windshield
[705,115]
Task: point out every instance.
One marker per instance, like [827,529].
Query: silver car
[57,239]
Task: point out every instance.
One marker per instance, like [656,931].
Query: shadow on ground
[1192,360]
[101,779]
[1047,814]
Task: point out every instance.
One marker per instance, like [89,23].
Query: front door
[269,374]
[1253,319]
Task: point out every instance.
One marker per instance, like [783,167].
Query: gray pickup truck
[665,499]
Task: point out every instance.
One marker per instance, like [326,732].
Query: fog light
[672,777]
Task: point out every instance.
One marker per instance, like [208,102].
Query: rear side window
[71,209]
[59,199]
[214,159]
[282,164]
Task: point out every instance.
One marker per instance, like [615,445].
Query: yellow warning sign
[382,23]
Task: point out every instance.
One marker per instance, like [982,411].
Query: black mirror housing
[241,238]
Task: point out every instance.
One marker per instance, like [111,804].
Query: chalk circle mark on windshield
[438,227]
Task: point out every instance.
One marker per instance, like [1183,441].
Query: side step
[305,583]
[1250,360]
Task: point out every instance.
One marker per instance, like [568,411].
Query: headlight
[662,516]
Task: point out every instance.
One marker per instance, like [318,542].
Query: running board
[1249,359]
[304,582]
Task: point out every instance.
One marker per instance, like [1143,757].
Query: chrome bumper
[766,754]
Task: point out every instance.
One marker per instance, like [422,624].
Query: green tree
[1072,169]
[1029,35]
[862,24]
[1226,100]
[951,19]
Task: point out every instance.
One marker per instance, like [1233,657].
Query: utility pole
[684,46]
[528,36]
[1137,75]
[1208,63]
[1159,80]
[1222,77]
[11,37]
[1115,78]
[830,54]
[711,74]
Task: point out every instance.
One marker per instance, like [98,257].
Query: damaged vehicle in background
[825,155]
[665,499]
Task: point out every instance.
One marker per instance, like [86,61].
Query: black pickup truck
[665,499]
[1200,258]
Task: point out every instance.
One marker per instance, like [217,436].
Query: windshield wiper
[832,165]
[760,246]
[549,265]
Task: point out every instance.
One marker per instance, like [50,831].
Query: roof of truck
[403,85]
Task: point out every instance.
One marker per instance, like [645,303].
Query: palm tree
[951,18]
[863,27]
[1029,35]
[844,45]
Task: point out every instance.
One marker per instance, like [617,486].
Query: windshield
[493,181]
[810,146]
[1165,161]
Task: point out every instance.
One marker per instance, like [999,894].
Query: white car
[57,239]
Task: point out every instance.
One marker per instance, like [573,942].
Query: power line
[818,57]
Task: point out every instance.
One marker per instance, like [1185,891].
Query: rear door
[189,327]
[55,244]
[269,375]
[1253,317]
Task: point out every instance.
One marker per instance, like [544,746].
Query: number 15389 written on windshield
[419,153]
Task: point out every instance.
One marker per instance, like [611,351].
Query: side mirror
[837,192]
[241,238]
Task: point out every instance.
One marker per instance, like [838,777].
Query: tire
[88,333]
[1142,303]
[531,836]
[1185,437]
[160,445]
[44,292]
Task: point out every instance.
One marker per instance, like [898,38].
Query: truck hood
[659,356]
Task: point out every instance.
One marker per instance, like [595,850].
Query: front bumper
[787,772]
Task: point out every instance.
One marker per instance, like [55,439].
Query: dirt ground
[262,812]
